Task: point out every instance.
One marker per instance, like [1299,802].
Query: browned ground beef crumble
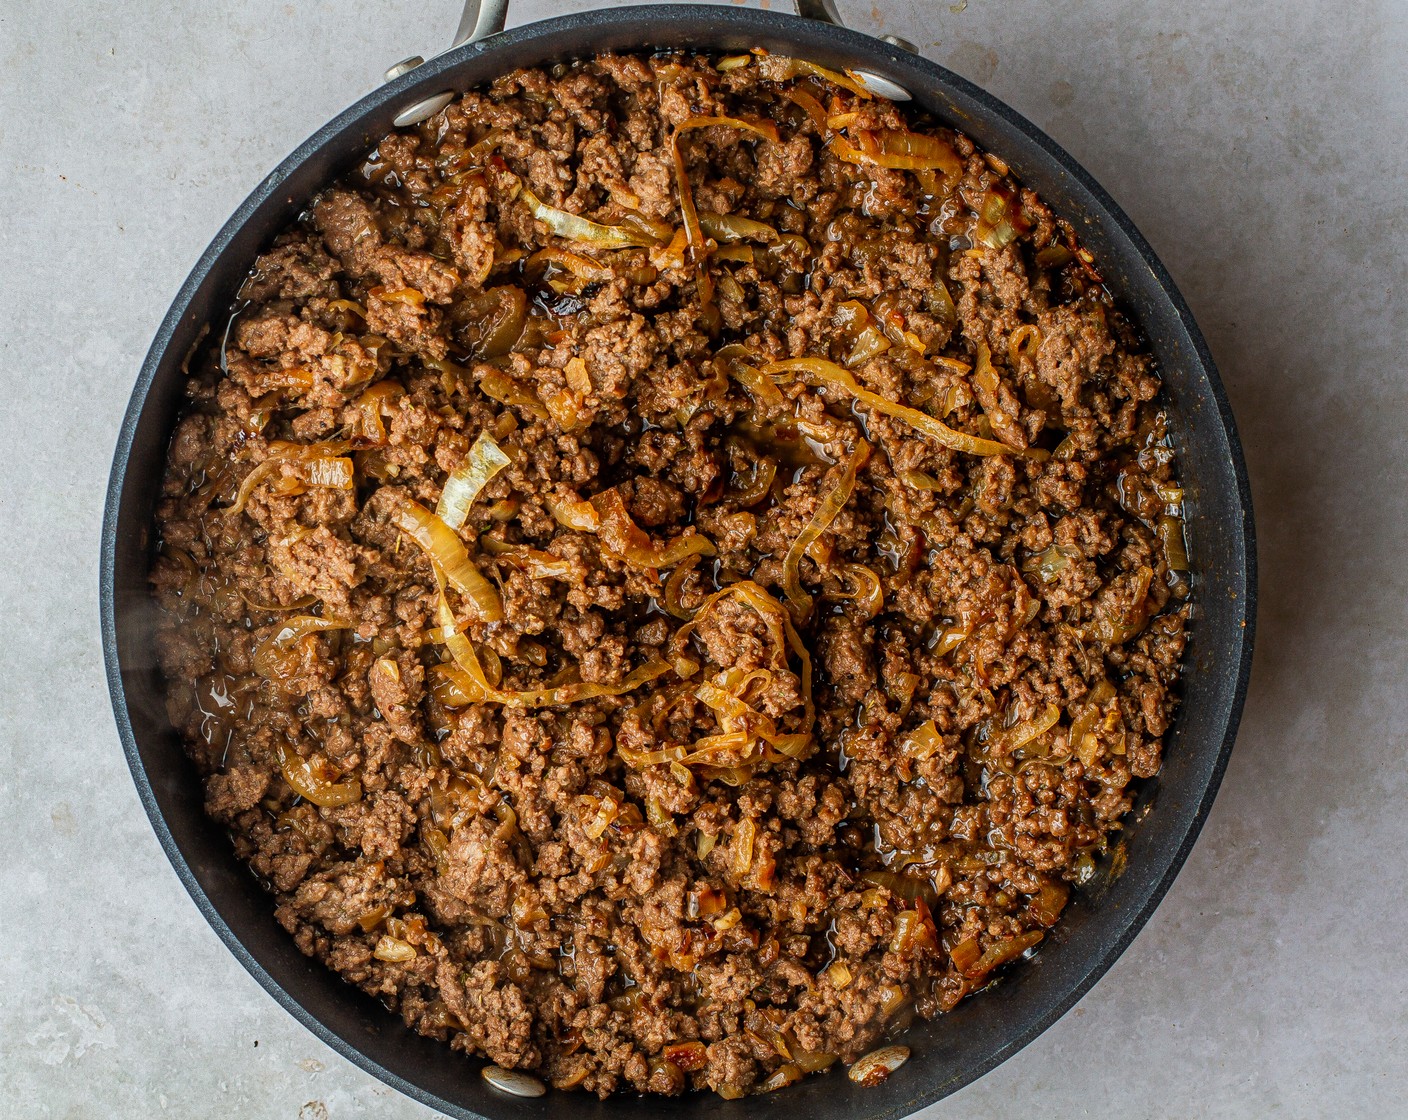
[528,881]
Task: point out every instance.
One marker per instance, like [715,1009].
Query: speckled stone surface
[1260,147]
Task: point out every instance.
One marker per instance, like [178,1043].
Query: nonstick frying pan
[1099,923]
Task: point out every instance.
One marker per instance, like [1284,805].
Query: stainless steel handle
[482,18]
[823,10]
[487,17]
[479,19]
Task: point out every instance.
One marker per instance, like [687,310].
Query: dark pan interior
[981,1032]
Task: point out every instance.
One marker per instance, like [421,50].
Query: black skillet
[1099,924]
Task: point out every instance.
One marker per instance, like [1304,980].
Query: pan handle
[482,18]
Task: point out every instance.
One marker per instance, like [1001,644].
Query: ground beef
[789,704]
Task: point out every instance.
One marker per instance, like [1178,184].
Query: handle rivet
[405,66]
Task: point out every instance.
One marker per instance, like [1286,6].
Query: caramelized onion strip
[693,230]
[485,460]
[827,512]
[627,540]
[316,464]
[780,68]
[899,151]
[574,227]
[304,776]
[445,549]
[829,373]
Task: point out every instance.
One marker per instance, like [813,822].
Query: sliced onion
[763,128]
[348,305]
[301,458]
[486,459]
[468,679]
[908,887]
[1083,738]
[574,514]
[1048,565]
[447,686]
[663,232]
[499,386]
[578,379]
[865,589]
[574,227]
[740,849]
[758,486]
[311,785]
[1175,547]
[464,679]
[734,227]
[779,68]
[899,151]
[1000,219]
[538,564]
[496,319]
[740,254]
[892,321]
[913,929]
[921,480]
[641,759]
[717,744]
[762,389]
[443,546]
[786,1074]
[921,743]
[565,408]
[475,154]
[336,473]
[1117,629]
[730,775]
[674,588]
[693,231]
[829,373]
[271,656]
[999,953]
[1019,735]
[1046,905]
[301,603]
[730,288]
[369,405]
[813,108]
[582,267]
[781,632]
[1022,343]
[411,297]
[827,512]
[394,950]
[988,388]
[625,539]
[867,338]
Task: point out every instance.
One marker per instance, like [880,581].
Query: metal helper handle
[482,18]
[487,17]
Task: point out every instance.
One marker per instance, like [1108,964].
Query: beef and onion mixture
[671,572]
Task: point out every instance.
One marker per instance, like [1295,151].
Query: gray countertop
[1259,146]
